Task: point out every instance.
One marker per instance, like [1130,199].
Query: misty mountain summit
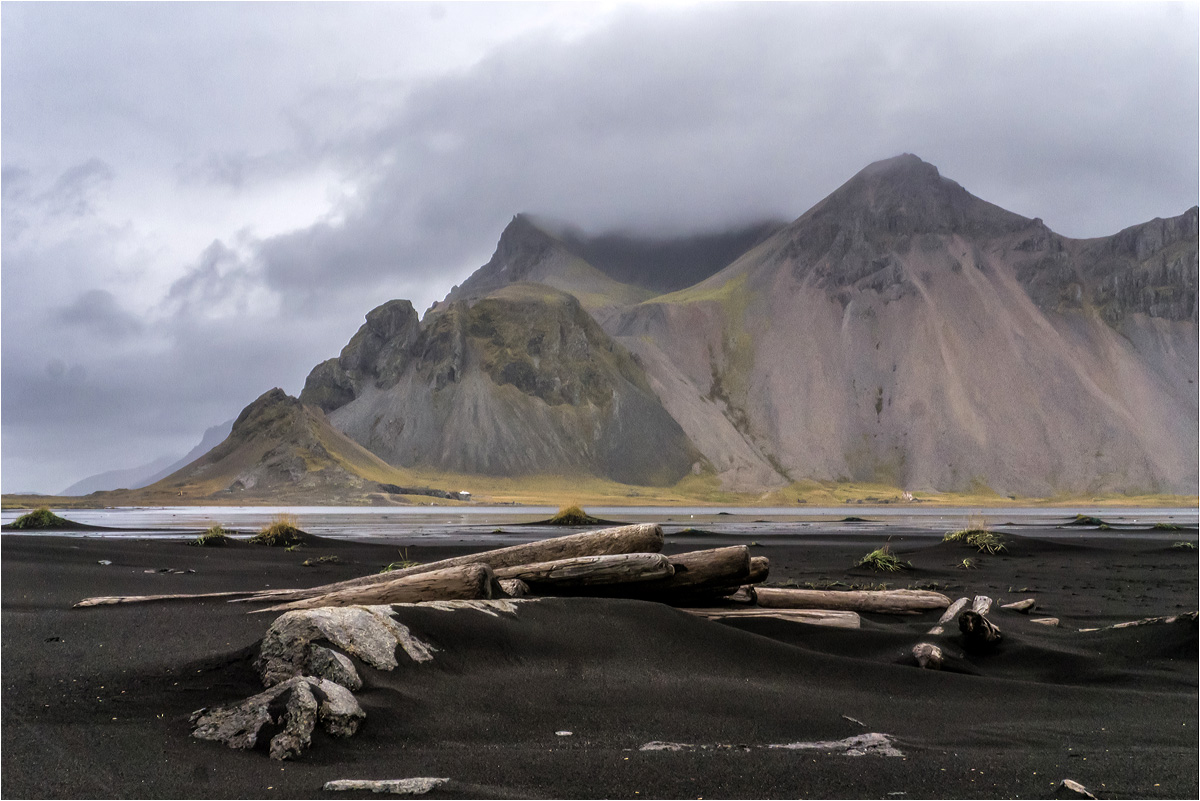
[901,332]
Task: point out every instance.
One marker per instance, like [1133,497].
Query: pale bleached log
[760,569]
[949,615]
[639,538]
[836,618]
[468,582]
[714,571]
[928,655]
[1020,606]
[588,571]
[1044,621]
[981,605]
[109,600]
[880,601]
[1150,621]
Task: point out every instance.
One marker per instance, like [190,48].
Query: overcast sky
[202,201]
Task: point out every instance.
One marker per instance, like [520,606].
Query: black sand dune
[95,701]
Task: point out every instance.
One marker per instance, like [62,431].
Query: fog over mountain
[202,201]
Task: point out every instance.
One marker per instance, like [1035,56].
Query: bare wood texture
[640,538]
[109,600]
[948,615]
[928,655]
[1045,621]
[514,588]
[743,595]
[836,618]
[468,582]
[981,605]
[1150,621]
[1020,606]
[977,630]
[760,568]
[881,601]
[586,571]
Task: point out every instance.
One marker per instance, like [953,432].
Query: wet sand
[96,701]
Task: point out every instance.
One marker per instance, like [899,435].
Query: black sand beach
[96,701]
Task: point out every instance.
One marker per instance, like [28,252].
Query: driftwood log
[1020,606]
[760,568]
[588,571]
[109,600]
[712,572]
[466,583]
[835,618]
[981,605]
[948,615]
[895,602]
[640,538]
[928,655]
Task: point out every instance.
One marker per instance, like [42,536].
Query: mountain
[136,477]
[279,449]
[520,382]
[906,332]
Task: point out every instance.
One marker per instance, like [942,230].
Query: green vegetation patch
[281,533]
[984,540]
[41,517]
[883,560]
[1184,544]
[332,559]
[214,537]
[573,516]
[1084,520]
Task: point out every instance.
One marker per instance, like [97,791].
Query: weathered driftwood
[416,786]
[469,582]
[760,568]
[640,538]
[1020,606]
[948,615]
[928,655]
[1044,621]
[981,605]
[837,618]
[881,601]
[1069,788]
[978,632]
[514,588]
[1149,621]
[587,571]
[109,600]
[695,571]
[742,595]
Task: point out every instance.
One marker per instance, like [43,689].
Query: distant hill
[136,477]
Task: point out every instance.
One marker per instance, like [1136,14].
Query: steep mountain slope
[280,449]
[905,331]
[522,381]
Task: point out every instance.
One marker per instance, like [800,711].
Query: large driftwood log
[640,538]
[948,615]
[836,618]
[715,571]
[588,571]
[978,632]
[469,582]
[882,601]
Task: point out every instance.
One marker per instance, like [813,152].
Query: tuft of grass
[1191,546]
[40,517]
[404,562]
[282,532]
[214,537]
[1164,527]
[977,535]
[968,564]
[882,559]
[1084,520]
[573,516]
[332,559]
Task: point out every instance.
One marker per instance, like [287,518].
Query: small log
[587,571]
[836,618]
[978,632]
[928,655]
[1020,606]
[514,588]
[981,605]
[640,538]
[760,568]
[109,600]
[470,582]
[1044,621]
[896,602]
[948,615]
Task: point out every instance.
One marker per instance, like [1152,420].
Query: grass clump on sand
[41,517]
[213,537]
[1164,527]
[882,559]
[332,559]
[977,535]
[573,516]
[1184,544]
[1084,520]
[404,563]
[281,533]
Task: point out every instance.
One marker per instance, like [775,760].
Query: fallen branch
[896,602]
[814,617]
[470,582]
[949,615]
[109,600]
[587,571]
